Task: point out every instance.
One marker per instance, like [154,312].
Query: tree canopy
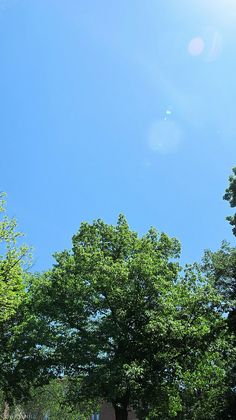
[125,326]
[117,319]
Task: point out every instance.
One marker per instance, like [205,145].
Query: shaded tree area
[48,401]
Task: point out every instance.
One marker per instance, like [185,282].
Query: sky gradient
[112,107]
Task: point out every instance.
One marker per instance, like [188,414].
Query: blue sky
[112,107]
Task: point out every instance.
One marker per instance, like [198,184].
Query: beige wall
[107,413]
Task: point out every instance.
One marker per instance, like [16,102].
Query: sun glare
[222,9]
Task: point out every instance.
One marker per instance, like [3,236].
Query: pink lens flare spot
[196,46]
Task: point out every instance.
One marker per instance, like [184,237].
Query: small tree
[11,271]
[12,294]
[49,401]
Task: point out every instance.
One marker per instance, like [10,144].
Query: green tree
[230,195]
[125,327]
[13,259]
[220,268]
[48,401]
[11,270]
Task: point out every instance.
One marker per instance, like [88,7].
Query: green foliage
[230,195]
[13,260]
[220,268]
[117,319]
[125,326]
[49,401]
[11,271]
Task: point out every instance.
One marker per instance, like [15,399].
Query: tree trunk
[121,412]
[6,411]
[232,320]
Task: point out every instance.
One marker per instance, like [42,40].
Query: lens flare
[196,46]
[164,136]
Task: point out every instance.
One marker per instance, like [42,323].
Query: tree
[11,271]
[48,401]
[220,268]
[124,326]
[230,195]
[12,294]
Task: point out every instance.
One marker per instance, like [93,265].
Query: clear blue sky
[118,106]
